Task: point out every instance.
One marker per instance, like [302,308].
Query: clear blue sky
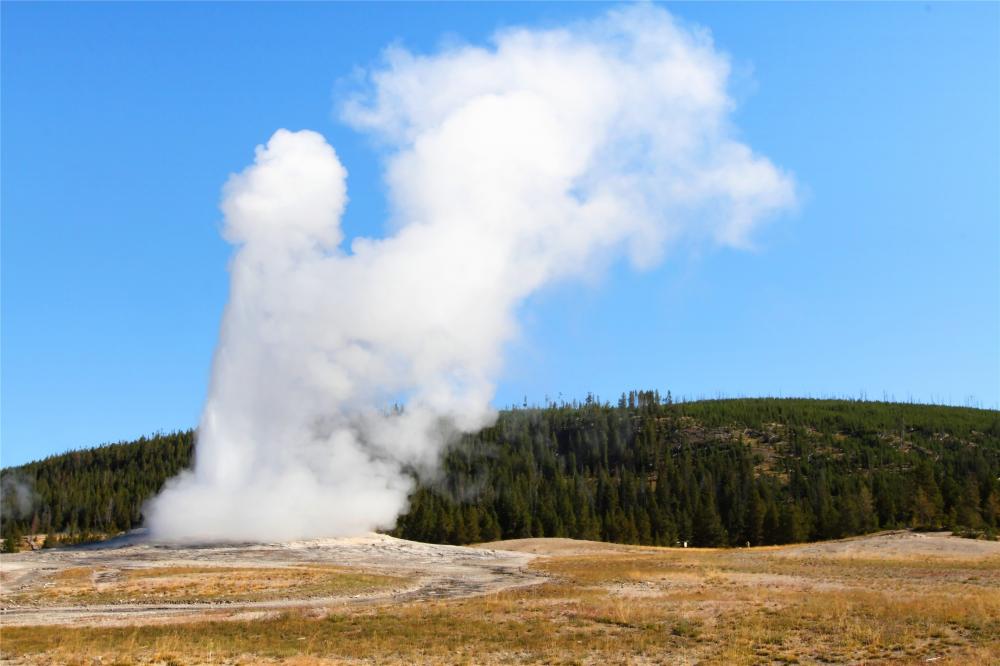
[120,122]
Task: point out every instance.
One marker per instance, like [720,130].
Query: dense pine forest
[647,471]
[84,494]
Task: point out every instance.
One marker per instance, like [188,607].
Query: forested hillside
[92,491]
[719,472]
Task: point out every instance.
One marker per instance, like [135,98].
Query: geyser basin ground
[133,581]
[896,597]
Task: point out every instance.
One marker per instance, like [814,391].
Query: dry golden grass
[633,606]
[190,584]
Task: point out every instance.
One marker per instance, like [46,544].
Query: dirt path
[425,572]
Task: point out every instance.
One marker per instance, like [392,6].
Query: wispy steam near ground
[511,166]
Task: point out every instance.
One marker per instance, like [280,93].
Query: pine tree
[708,529]
[792,526]
[13,539]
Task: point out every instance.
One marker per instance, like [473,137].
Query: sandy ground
[426,572]
[899,544]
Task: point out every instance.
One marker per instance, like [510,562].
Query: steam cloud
[510,167]
[18,496]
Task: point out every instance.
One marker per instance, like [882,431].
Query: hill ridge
[649,471]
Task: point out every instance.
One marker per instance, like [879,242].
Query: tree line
[83,495]
[646,470]
[715,473]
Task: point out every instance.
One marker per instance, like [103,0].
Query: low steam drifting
[509,167]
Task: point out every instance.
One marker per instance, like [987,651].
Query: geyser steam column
[511,167]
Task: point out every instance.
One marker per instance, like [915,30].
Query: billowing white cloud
[510,166]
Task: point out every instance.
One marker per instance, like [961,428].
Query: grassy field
[608,605]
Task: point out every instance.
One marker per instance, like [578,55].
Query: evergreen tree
[708,530]
[12,540]
[792,526]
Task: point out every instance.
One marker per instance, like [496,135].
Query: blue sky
[121,122]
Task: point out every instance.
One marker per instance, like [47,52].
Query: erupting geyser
[534,160]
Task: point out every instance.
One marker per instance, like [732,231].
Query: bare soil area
[890,545]
[899,544]
[132,581]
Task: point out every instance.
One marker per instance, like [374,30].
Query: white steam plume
[510,167]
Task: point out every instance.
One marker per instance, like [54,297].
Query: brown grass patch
[639,606]
[193,584]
